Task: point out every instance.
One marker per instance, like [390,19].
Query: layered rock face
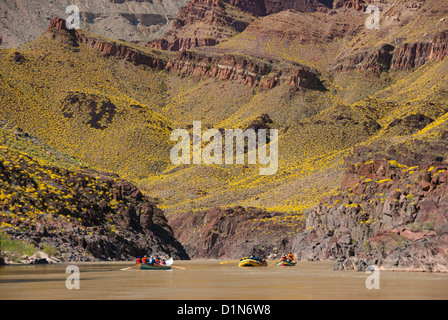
[249,72]
[216,22]
[407,57]
[414,55]
[202,23]
[378,60]
[274,6]
[232,233]
[255,7]
[386,214]
[227,67]
[266,7]
[355,4]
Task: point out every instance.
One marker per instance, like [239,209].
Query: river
[210,280]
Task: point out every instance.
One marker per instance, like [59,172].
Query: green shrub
[14,249]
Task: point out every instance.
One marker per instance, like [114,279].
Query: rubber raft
[143,266]
[252,263]
[286,263]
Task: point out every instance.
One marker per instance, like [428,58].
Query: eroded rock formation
[386,214]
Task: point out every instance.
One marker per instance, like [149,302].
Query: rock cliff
[232,233]
[81,215]
[407,56]
[414,55]
[247,71]
[385,214]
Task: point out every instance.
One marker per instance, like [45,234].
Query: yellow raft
[252,263]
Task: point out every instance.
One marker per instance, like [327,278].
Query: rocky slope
[57,30]
[24,20]
[265,75]
[82,215]
[210,22]
[386,214]
[203,23]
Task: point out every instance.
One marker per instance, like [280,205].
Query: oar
[127,268]
[229,262]
[179,268]
[273,263]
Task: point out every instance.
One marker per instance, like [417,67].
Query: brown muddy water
[210,280]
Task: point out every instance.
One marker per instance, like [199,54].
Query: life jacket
[139,260]
[145,260]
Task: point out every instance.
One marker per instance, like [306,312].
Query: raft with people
[153,267]
[153,263]
[287,261]
[252,262]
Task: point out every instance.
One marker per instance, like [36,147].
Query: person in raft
[291,257]
[252,257]
[138,262]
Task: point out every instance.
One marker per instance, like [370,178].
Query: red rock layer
[414,55]
[231,67]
